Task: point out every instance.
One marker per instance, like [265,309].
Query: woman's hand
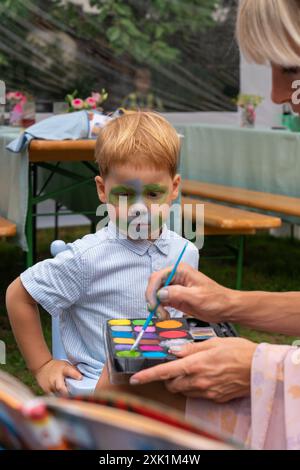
[191,292]
[218,369]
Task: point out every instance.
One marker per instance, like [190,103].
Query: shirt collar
[141,247]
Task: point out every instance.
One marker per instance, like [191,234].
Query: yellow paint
[121,322]
[169,324]
[123,341]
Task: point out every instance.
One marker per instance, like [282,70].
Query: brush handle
[153,312]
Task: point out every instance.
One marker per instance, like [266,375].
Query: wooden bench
[243,197]
[7,228]
[229,219]
[224,220]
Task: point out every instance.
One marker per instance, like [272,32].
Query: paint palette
[152,350]
[201,331]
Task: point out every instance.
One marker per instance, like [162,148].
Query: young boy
[104,275]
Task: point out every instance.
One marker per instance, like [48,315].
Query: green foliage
[141,29]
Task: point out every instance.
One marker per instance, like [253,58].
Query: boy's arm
[25,321]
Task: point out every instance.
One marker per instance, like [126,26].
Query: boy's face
[138,199]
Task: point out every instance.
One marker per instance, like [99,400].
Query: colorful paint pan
[173,334]
[199,333]
[149,341]
[150,347]
[129,354]
[171,343]
[149,329]
[121,328]
[149,336]
[123,347]
[140,322]
[123,341]
[120,322]
[169,324]
[122,334]
[154,355]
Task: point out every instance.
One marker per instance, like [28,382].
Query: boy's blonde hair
[269,31]
[138,138]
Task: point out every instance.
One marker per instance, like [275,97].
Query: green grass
[270,264]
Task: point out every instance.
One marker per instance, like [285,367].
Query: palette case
[152,350]
[154,347]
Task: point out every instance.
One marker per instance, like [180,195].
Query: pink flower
[77,103]
[10,95]
[18,95]
[14,96]
[91,102]
[97,97]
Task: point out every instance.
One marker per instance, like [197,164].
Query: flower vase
[248,116]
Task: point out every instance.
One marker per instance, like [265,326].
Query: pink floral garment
[270,418]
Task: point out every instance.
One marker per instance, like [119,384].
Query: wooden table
[49,155]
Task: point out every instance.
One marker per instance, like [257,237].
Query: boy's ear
[176,185]
[100,188]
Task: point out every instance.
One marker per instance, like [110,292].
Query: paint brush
[153,312]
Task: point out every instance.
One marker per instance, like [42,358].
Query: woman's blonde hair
[269,31]
[138,138]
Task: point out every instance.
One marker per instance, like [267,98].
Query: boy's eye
[123,193]
[155,194]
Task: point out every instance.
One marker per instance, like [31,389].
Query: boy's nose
[138,209]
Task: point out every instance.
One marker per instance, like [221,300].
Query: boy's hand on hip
[51,376]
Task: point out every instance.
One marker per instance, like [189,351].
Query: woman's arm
[197,295]
[277,312]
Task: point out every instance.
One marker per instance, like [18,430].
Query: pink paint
[151,348]
[173,334]
[149,329]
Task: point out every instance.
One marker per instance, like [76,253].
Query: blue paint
[154,355]
[121,334]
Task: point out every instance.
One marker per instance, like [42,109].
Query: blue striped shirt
[99,277]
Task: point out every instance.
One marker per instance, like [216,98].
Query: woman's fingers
[192,348]
[187,384]
[166,371]
[156,281]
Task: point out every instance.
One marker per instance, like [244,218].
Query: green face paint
[124,196]
[121,191]
[156,193]
[150,192]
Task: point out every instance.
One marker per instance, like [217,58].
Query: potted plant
[248,105]
[94,101]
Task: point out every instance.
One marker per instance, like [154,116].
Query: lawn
[270,264]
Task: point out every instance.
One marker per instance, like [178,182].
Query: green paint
[156,192]
[140,322]
[121,191]
[128,354]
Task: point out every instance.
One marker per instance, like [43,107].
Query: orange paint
[169,324]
